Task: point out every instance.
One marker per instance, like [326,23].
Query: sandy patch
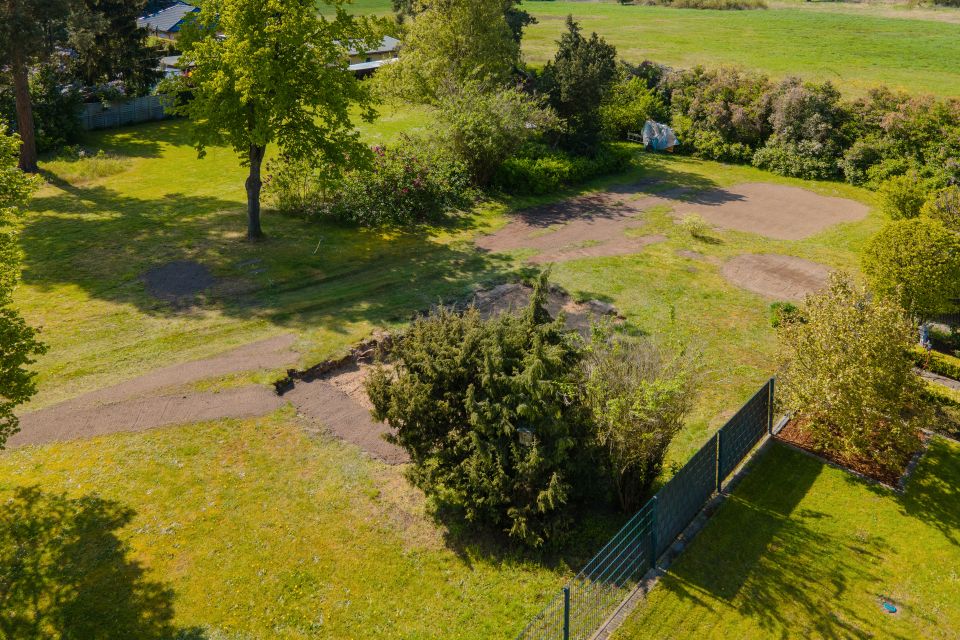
[776,276]
[771,210]
[586,226]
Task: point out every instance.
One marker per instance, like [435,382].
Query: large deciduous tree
[18,341]
[451,42]
[274,72]
[29,32]
[103,39]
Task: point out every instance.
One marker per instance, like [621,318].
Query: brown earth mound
[177,280]
[776,276]
[772,210]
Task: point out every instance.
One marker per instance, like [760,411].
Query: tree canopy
[18,341]
[278,75]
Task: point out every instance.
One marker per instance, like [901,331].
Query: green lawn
[245,529]
[332,285]
[855,51]
[803,550]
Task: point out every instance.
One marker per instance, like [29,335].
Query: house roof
[386,45]
[167,20]
[367,66]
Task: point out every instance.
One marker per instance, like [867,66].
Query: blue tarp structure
[658,137]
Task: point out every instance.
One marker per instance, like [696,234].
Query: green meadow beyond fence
[585,603]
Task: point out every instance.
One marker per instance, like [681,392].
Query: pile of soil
[776,276]
[177,280]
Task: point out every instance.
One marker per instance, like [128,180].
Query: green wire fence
[588,600]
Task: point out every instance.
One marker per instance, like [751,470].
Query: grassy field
[855,51]
[245,529]
[855,45]
[808,551]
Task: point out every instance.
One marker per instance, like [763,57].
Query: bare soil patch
[772,210]
[593,225]
[177,280]
[158,398]
[776,276]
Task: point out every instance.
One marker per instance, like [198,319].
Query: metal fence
[96,115]
[585,603]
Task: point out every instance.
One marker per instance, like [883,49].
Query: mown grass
[856,51]
[803,550]
[248,529]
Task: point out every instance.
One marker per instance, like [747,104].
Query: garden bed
[793,434]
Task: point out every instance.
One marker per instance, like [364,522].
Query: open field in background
[854,50]
[855,45]
[254,529]
[805,550]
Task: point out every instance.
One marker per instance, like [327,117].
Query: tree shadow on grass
[769,560]
[306,274]
[64,573]
[932,494]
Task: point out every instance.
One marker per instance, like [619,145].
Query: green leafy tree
[577,81]
[639,395]
[517,19]
[488,411]
[485,125]
[448,43]
[628,104]
[278,75]
[103,35]
[902,196]
[30,31]
[847,374]
[944,205]
[915,262]
[18,341]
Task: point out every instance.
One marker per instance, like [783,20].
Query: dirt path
[776,276]
[335,402]
[163,397]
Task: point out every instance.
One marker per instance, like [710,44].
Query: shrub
[784,312]
[629,104]
[299,186]
[410,182]
[538,170]
[944,205]
[848,375]
[695,225]
[902,197]
[859,158]
[721,113]
[805,159]
[638,394]
[56,103]
[917,264]
[939,363]
[483,126]
[489,412]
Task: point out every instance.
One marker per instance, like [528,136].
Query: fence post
[653,532]
[717,465]
[566,613]
[771,392]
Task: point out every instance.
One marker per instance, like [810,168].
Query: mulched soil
[794,434]
[177,280]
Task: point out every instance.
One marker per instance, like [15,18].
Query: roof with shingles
[167,20]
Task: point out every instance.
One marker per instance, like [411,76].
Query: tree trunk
[21,90]
[254,232]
